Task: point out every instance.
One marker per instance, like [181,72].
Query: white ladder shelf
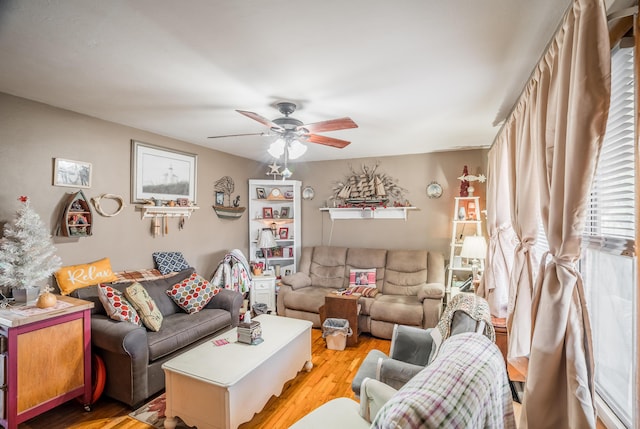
[466,220]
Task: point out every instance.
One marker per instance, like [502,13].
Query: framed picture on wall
[219,198]
[76,174]
[161,173]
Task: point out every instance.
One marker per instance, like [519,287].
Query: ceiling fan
[291,129]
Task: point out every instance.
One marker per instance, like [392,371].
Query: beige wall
[428,227]
[33,134]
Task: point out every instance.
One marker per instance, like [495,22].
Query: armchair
[413,348]
[465,386]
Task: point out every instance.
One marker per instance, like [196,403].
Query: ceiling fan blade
[331,125]
[238,135]
[261,119]
[327,141]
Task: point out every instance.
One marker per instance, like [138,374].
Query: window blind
[610,222]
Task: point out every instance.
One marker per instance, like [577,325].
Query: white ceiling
[417,76]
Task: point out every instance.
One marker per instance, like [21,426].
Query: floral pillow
[145,306]
[193,293]
[117,306]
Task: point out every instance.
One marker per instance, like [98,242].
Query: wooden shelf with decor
[77,216]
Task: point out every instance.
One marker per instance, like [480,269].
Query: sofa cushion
[192,293]
[145,306]
[403,310]
[406,272]
[73,277]
[117,306]
[308,299]
[168,262]
[328,267]
[297,280]
[181,329]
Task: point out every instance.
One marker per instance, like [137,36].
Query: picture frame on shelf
[284,213]
[277,252]
[161,173]
[219,198]
[183,202]
[67,172]
[283,233]
[261,193]
[267,213]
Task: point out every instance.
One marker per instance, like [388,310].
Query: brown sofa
[410,284]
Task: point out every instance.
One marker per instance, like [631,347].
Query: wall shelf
[149,211]
[368,212]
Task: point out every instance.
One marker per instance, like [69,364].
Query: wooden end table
[344,307]
[47,358]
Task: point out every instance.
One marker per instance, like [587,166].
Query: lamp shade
[474,247]
[266,240]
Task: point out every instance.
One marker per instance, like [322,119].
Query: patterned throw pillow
[364,291]
[117,306]
[168,262]
[192,294]
[362,277]
[145,306]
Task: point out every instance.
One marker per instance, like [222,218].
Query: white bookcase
[275,204]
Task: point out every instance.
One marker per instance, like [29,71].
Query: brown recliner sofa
[410,285]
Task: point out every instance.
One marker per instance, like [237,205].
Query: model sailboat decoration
[369,188]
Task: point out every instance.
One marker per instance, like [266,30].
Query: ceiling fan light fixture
[276,149]
[296,149]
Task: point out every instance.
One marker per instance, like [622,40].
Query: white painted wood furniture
[264,291]
[214,387]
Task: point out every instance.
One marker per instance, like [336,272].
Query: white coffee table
[216,387]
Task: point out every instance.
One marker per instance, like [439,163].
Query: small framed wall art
[76,174]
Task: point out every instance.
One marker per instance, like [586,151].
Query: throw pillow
[139,275]
[168,262]
[145,306]
[73,277]
[117,306]
[193,293]
[362,277]
[367,291]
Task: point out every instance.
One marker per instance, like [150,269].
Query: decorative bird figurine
[236,202]
[471,178]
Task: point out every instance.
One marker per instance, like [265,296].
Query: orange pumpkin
[46,300]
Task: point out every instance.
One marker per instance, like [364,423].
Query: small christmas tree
[26,251]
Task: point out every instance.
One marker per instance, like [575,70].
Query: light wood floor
[330,378]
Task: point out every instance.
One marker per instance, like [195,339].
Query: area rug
[152,413]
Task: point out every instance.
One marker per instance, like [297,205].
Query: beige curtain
[555,133]
[494,284]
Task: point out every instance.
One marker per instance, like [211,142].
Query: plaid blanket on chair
[466,386]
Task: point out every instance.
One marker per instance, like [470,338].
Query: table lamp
[266,241]
[474,247]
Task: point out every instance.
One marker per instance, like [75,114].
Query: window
[608,259]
